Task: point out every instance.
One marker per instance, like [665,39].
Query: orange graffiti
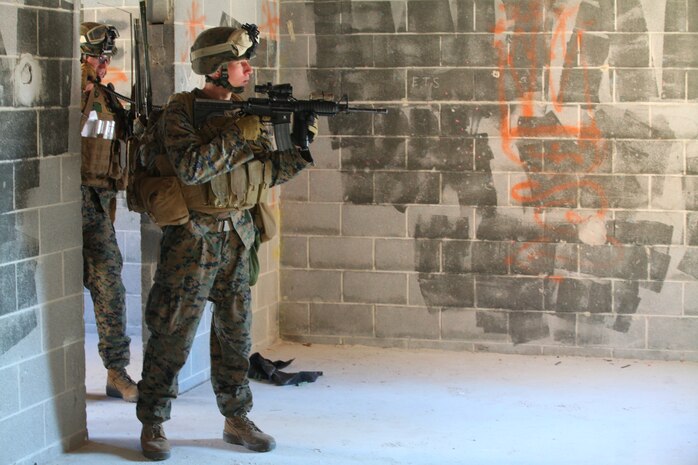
[585,149]
[271,20]
[195,23]
[116,75]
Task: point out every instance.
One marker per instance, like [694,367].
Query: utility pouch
[162,199]
[95,157]
[264,221]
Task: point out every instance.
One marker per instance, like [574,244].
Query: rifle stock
[277,109]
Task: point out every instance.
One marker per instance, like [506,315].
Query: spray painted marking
[196,22]
[271,22]
[590,228]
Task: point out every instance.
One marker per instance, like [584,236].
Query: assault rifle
[277,109]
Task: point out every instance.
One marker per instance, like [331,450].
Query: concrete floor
[390,406]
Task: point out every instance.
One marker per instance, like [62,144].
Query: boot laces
[249,423]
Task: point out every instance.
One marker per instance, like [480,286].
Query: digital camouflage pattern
[208,258]
[102,264]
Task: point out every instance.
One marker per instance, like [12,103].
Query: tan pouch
[95,160]
[163,200]
[265,221]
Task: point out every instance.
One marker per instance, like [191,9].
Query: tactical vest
[104,152]
[168,200]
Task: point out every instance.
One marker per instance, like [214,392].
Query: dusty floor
[389,406]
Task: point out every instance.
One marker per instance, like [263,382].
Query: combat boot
[154,443]
[242,431]
[120,384]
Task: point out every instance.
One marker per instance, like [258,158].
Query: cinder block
[570,295]
[485,17]
[375,84]
[407,255]
[672,193]
[42,378]
[267,289]
[622,122]
[630,16]
[397,51]
[19,134]
[40,280]
[9,391]
[62,23]
[615,192]
[66,416]
[440,84]
[346,124]
[341,253]
[439,223]
[8,281]
[468,50]
[294,252]
[649,157]
[629,51]
[61,227]
[432,16]
[509,292]
[680,51]
[621,331]
[62,322]
[345,51]
[635,85]
[70,180]
[294,318]
[674,84]
[310,18]
[594,49]
[474,325]
[295,52]
[525,327]
[580,85]
[624,262]
[532,258]
[407,188]
[441,154]
[443,290]
[305,218]
[596,16]
[414,121]
[341,319]
[330,186]
[20,337]
[476,189]
[72,271]
[375,287]
[37,183]
[409,322]
[502,224]
[298,285]
[374,220]
[54,121]
[675,121]
[372,16]
[666,299]
[651,228]
[356,188]
[296,188]
[457,120]
[16,442]
[366,153]
[505,85]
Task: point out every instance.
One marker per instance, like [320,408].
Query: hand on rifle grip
[305,128]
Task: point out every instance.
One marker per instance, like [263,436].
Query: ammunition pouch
[241,188]
[161,198]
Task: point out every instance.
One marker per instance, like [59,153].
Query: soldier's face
[100,64]
[239,73]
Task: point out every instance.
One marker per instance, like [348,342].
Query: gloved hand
[89,76]
[305,128]
[250,127]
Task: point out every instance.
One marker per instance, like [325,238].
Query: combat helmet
[97,39]
[217,46]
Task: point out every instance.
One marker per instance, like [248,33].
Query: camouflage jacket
[199,154]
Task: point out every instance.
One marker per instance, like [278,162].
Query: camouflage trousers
[102,264]
[198,262]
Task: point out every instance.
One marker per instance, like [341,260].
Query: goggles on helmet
[103,36]
[240,44]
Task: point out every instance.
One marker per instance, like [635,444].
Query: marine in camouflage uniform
[101,174]
[207,257]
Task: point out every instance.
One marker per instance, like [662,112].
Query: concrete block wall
[42,379]
[531,189]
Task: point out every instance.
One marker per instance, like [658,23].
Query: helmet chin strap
[223,81]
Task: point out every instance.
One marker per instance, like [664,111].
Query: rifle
[277,109]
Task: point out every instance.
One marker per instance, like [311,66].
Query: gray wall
[42,380]
[532,189]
